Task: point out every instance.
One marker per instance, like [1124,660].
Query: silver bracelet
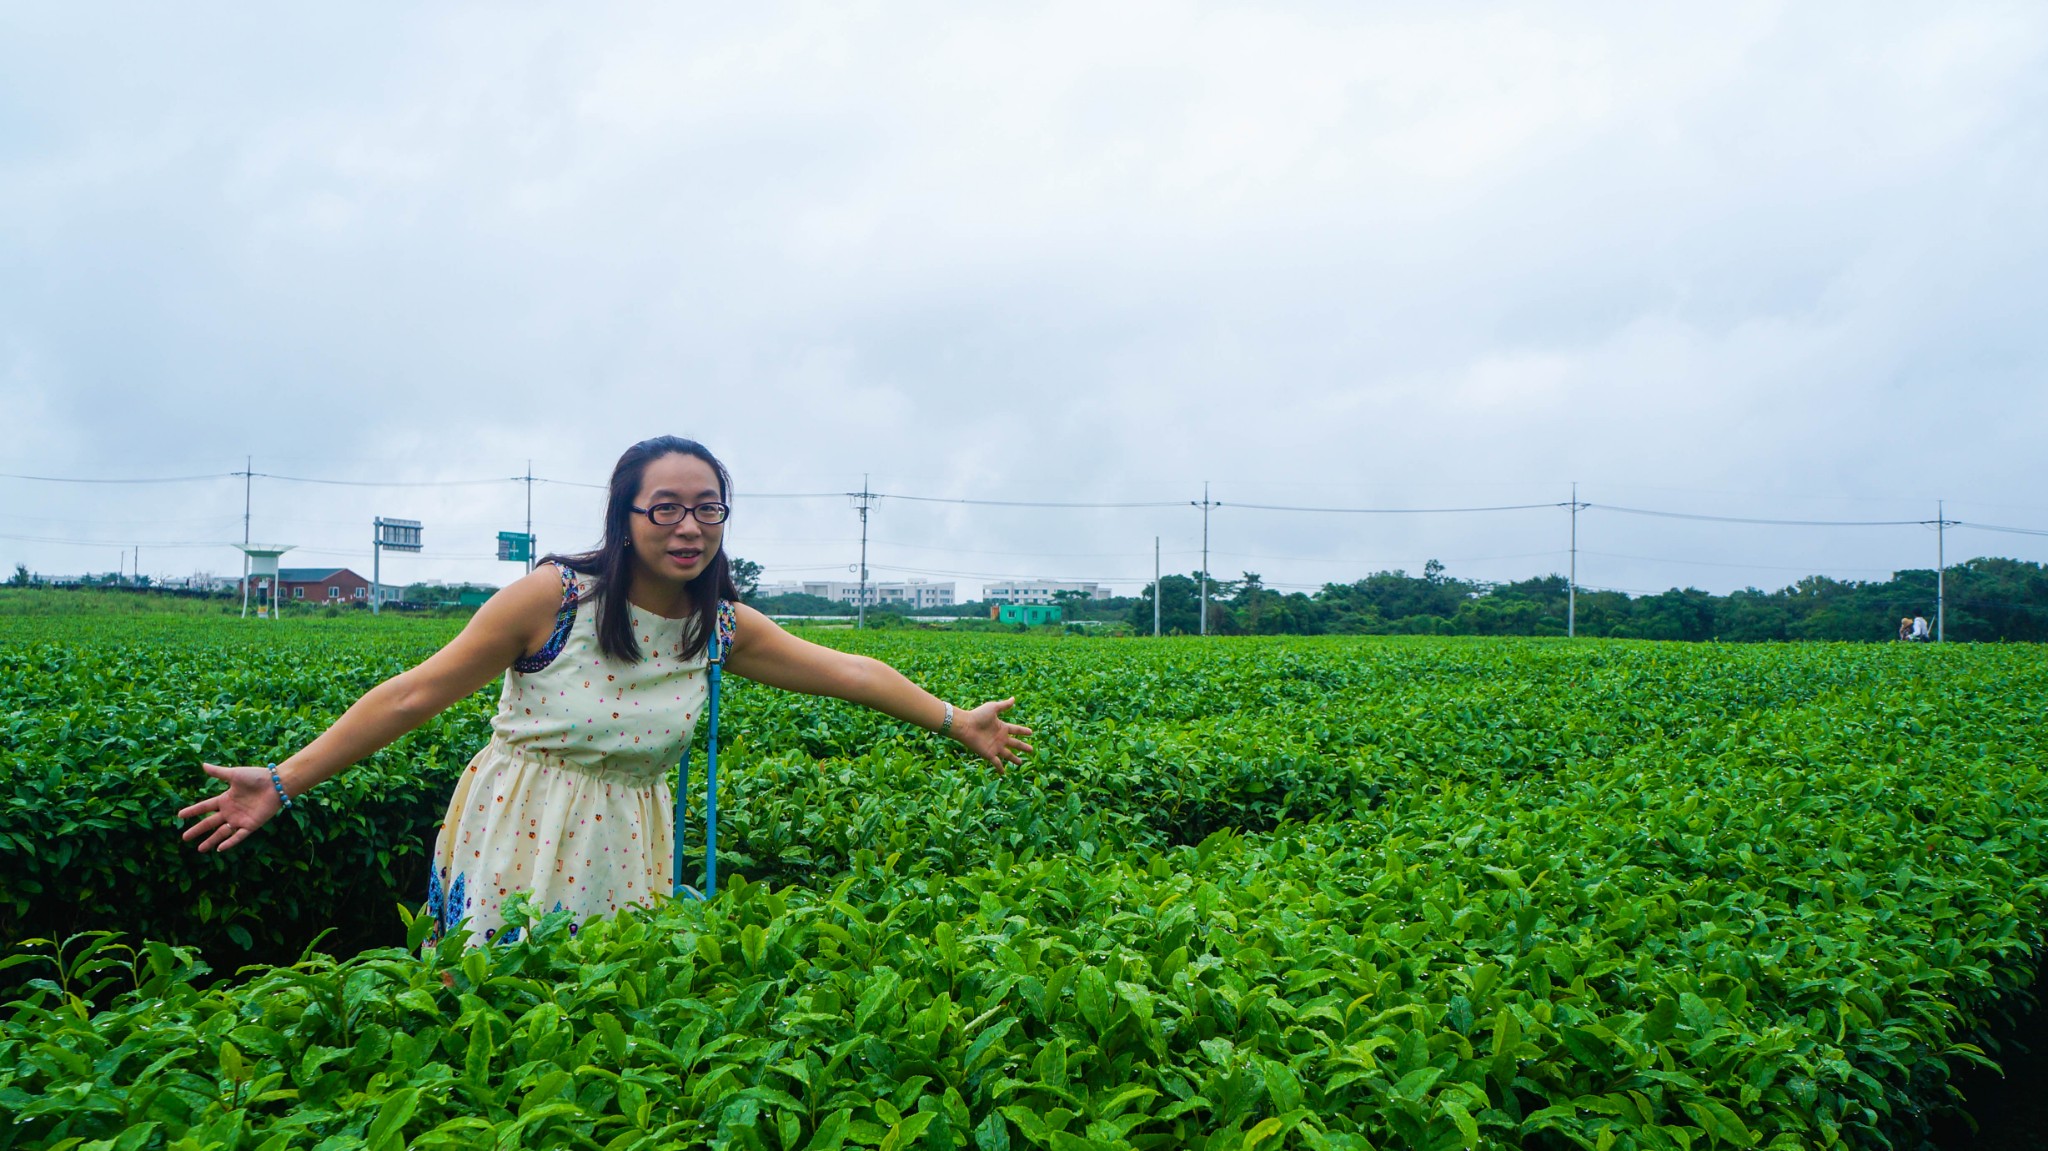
[946,724]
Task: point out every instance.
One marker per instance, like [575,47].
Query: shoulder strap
[565,619]
[728,626]
[572,590]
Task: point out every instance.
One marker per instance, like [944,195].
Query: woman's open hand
[232,815]
[987,734]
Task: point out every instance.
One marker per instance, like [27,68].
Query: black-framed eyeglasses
[669,515]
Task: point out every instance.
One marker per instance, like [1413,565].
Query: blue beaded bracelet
[279,785]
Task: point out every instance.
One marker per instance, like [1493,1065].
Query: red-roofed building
[324,585]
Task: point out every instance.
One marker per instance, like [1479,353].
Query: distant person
[604,659]
[1921,633]
[1905,628]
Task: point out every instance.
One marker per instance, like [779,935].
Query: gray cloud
[1771,260]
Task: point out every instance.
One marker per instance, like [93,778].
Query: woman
[604,661]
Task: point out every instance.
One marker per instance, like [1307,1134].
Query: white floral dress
[570,801]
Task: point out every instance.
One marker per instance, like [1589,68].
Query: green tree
[1250,590]
[1177,607]
[1069,602]
[746,575]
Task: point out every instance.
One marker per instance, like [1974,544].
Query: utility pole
[1155,587]
[1940,573]
[531,547]
[866,498]
[1205,505]
[248,463]
[1571,611]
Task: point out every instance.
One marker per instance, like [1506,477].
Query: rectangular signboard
[516,546]
[399,535]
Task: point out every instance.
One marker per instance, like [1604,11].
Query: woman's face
[678,552]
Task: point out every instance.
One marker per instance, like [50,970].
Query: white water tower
[261,565]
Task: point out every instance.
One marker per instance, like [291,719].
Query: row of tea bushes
[103,727]
[1775,929]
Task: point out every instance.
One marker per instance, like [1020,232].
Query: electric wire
[160,545]
[1718,564]
[377,483]
[965,502]
[1998,528]
[98,480]
[1754,519]
[1379,562]
[1022,503]
[1388,511]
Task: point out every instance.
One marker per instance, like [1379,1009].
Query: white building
[1038,591]
[912,594]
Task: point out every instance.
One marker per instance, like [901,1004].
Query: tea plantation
[1249,894]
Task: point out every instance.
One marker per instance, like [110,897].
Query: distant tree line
[1989,600]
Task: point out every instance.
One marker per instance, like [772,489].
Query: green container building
[1029,614]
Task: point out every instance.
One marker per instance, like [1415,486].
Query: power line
[378,483]
[153,521]
[950,550]
[1380,562]
[248,474]
[1024,503]
[1999,528]
[96,480]
[1808,568]
[1758,520]
[995,575]
[369,555]
[739,495]
[118,543]
[1069,504]
[1393,511]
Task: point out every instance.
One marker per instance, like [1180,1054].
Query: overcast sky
[1763,260]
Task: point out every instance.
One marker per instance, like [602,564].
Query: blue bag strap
[721,641]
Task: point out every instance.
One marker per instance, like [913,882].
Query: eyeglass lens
[669,515]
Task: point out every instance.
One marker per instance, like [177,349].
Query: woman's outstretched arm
[762,651]
[513,622]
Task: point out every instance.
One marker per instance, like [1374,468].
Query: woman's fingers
[996,741]
[228,817]
[203,828]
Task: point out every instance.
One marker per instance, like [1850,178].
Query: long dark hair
[610,564]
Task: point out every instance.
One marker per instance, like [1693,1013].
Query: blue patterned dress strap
[728,626]
[565,619]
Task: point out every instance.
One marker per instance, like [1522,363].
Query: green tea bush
[1250,894]
[103,727]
